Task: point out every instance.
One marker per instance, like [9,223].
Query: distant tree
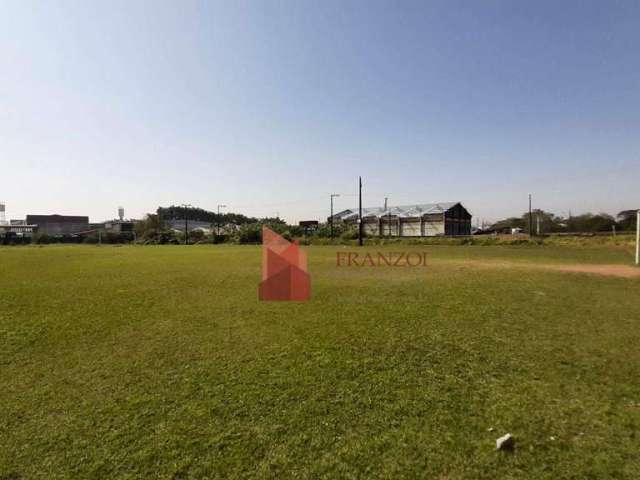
[627,219]
[152,228]
[296,231]
[249,233]
[324,230]
[589,222]
[276,224]
[196,235]
[549,222]
[507,224]
[198,214]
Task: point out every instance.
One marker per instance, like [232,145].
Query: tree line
[585,223]
[236,227]
[200,214]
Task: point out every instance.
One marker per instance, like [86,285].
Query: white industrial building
[419,220]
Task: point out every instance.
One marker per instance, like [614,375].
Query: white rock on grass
[505,442]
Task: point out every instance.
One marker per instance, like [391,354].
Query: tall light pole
[218,226]
[333,195]
[638,237]
[186,230]
[360,211]
[530,218]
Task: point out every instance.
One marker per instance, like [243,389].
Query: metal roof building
[417,220]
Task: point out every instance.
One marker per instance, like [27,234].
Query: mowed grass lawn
[160,362]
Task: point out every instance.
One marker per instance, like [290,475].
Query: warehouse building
[59,225]
[178,225]
[118,226]
[16,230]
[421,220]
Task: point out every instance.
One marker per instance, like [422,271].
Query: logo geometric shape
[284,270]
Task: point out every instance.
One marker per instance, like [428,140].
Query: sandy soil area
[624,271]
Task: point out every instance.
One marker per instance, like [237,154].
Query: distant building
[58,225]
[16,230]
[178,225]
[119,226]
[420,220]
[309,226]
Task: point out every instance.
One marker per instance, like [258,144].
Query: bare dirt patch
[623,271]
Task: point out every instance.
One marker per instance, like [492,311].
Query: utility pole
[638,237]
[360,211]
[386,205]
[530,218]
[333,195]
[186,229]
[218,226]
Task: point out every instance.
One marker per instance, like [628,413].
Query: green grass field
[160,362]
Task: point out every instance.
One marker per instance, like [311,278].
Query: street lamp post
[218,226]
[333,195]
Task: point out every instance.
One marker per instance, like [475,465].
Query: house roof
[404,211]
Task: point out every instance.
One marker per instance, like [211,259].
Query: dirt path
[624,271]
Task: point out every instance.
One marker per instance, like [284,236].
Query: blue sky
[270,106]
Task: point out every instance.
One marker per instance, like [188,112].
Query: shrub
[42,239]
[249,233]
[351,234]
